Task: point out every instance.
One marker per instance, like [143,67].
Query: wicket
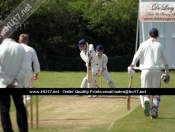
[100,81]
[31,110]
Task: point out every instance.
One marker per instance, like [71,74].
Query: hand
[165,78]
[35,76]
[13,84]
[131,71]
[132,66]
[89,54]
[98,73]
[166,73]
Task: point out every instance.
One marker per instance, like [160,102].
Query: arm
[84,57]
[4,78]
[104,64]
[105,61]
[136,56]
[35,61]
[35,76]
[165,63]
[91,47]
[87,57]
[24,66]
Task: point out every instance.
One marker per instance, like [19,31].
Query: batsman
[88,55]
[150,53]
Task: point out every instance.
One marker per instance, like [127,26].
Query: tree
[57,26]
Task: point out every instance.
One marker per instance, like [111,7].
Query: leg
[156,83]
[155,106]
[5,117]
[21,113]
[149,78]
[96,84]
[84,83]
[146,81]
[92,85]
[156,98]
[142,101]
[28,81]
[147,105]
[110,82]
[94,71]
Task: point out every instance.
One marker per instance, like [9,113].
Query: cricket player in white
[88,54]
[150,54]
[31,58]
[103,71]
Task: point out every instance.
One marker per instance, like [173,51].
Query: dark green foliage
[57,25]
[55,63]
[7,7]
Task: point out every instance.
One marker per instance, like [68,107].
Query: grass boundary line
[110,126]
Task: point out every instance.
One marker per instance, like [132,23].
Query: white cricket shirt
[150,54]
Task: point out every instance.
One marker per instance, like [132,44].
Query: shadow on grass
[66,119]
[116,97]
[162,118]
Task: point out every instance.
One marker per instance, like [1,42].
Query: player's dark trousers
[20,113]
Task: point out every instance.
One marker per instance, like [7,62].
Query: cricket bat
[128,99]
[89,72]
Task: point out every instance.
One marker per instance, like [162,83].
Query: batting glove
[131,71]
[165,78]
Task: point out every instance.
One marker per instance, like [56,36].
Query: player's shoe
[95,96]
[28,99]
[90,96]
[78,95]
[154,113]
[147,108]
[96,86]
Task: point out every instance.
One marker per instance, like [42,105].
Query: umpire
[13,67]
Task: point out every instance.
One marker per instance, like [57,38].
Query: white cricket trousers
[28,82]
[109,80]
[106,75]
[94,71]
[150,78]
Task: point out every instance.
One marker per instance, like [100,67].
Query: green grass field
[106,113]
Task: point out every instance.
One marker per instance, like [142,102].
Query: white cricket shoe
[89,96]
[28,99]
[154,113]
[78,95]
[95,96]
[147,108]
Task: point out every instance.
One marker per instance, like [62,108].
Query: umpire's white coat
[13,63]
[31,57]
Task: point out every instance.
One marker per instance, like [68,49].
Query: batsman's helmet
[82,42]
[99,47]
[154,32]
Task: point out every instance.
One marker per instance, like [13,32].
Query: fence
[55,63]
